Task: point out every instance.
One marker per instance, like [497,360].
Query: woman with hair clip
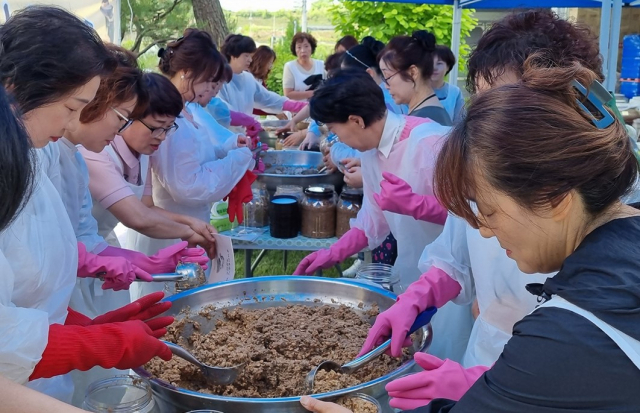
[188,174]
[461,264]
[351,105]
[552,201]
[42,339]
[449,93]
[244,93]
[406,64]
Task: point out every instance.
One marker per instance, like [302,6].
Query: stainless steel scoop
[214,375]
[351,367]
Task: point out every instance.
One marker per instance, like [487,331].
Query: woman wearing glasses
[120,175]
[120,96]
[407,66]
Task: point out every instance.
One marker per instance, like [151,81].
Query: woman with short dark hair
[449,94]
[345,43]
[243,93]
[303,46]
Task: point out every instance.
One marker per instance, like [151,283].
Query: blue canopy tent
[609,23]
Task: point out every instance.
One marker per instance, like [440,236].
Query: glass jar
[293,190]
[332,188]
[318,213]
[119,394]
[381,274]
[256,211]
[348,207]
[360,402]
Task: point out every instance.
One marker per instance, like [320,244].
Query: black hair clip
[597,97]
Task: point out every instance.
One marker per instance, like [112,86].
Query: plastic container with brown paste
[318,213]
[348,207]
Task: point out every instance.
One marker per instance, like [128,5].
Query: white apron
[38,265]
[629,345]
[412,159]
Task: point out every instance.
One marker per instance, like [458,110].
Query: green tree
[386,20]
[155,21]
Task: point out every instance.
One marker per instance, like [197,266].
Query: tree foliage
[386,20]
[155,21]
[283,55]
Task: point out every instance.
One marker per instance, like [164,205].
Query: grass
[271,264]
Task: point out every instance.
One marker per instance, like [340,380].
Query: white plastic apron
[452,324]
[629,345]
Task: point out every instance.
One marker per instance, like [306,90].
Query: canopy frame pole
[455,41]
[614,43]
[605,30]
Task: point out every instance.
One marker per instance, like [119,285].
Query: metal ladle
[214,375]
[188,275]
[351,367]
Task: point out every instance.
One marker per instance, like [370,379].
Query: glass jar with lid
[383,275]
[348,207]
[256,211]
[318,213]
[119,394]
[327,143]
[332,188]
[293,190]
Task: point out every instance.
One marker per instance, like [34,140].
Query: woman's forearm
[298,95]
[20,399]
[147,220]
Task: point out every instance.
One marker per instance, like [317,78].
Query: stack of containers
[630,73]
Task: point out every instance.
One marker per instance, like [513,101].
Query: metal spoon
[355,365]
[214,375]
[188,275]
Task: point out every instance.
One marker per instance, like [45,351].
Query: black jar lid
[318,192]
[352,194]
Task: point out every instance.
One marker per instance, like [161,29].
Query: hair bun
[426,40]
[375,46]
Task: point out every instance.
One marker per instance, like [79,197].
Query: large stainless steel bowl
[291,159]
[276,291]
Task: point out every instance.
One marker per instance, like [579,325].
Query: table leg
[284,260]
[247,263]
[257,261]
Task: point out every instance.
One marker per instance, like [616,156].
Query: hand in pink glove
[164,261]
[294,106]
[441,379]
[167,259]
[118,273]
[350,243]
[397,196]
[433,288]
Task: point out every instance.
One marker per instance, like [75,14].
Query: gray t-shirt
[435,113]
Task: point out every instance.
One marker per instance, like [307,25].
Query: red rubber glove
[351,242]
[75,318]
[115,345]
[294,106]
[118,272]
[397,196]
[164,261]
[240,195]
[441,379]
[142,309]
[434,288]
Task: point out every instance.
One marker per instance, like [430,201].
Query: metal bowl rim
[409,364]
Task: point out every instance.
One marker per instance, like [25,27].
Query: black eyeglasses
[157,132]
[386,79]
[127,121]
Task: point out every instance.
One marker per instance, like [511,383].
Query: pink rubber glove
[433,288]
[294,106]
[350,243]
[397,196]
[248,121]
[441,379]
[118,273]
[164,261]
